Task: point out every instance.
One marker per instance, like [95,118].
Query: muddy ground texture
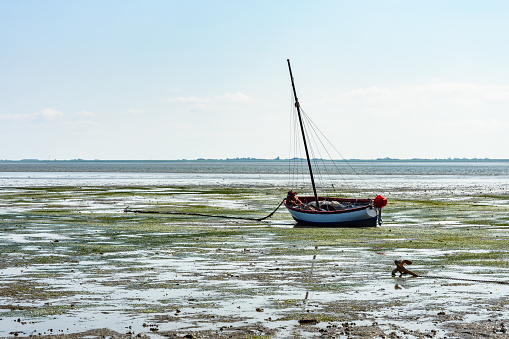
[74,265]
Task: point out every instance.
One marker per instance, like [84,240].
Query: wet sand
[74,265]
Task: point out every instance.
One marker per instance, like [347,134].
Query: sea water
[391,178]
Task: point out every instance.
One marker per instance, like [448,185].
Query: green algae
[34,291]
[41,311]
[467,258]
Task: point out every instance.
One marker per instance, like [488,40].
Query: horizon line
[252,159]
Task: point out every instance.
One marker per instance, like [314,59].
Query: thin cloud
[135,111]
[186,100]
[437,98]
[234,98]
[216,102]
[45,114]
[81,123]
[454,90]
[85,114]
[474,126]
[50,113]
[16,117]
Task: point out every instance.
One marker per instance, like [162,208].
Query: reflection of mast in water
[311,274]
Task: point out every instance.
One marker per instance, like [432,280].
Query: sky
[165,80]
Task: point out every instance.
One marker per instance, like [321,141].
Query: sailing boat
[321,211]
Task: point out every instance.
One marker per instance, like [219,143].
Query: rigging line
[298,166]
[312,135]
[315,128]
[321,159]
[292,169]
[335,149]
[297,170]
[299,147]
[318,161]
[313,156]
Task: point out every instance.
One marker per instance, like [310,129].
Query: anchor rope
[128,210]
[465,279]
[403,271]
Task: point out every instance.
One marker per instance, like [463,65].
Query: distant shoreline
[251,160]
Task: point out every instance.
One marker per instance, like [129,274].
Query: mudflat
[75,265]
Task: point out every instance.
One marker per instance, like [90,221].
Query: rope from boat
[128,210]
[379,215]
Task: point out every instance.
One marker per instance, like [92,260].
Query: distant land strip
[265,160]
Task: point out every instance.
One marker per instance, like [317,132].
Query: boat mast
[303,135]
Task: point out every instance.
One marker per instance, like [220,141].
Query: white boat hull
[360,216]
